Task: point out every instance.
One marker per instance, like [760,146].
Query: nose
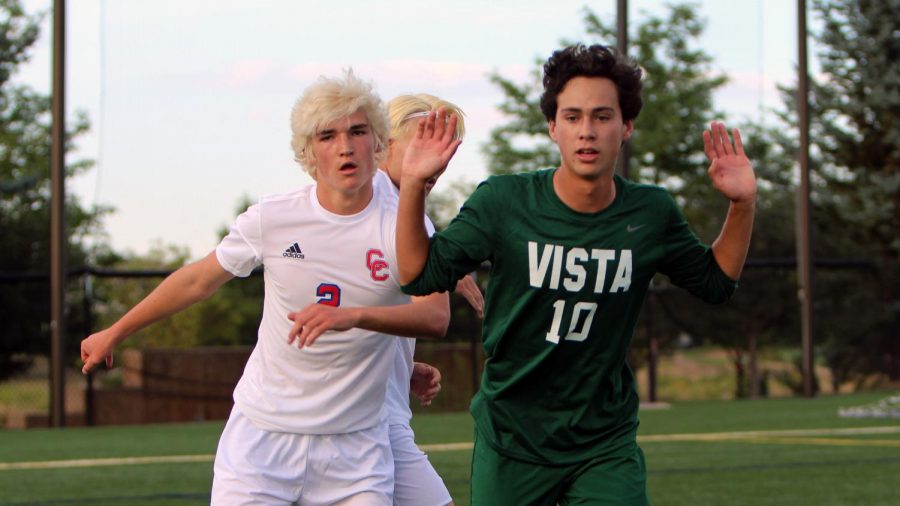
[586,129]
[346,147]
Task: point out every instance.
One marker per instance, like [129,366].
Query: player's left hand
[729,168]
[425,382]
[313,320]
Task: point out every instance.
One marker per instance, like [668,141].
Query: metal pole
[622,43]
[804,239]
[57,221]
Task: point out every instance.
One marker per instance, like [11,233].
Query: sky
[189,100]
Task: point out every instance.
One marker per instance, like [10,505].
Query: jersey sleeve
[461,247]
[690,264]
[240,251]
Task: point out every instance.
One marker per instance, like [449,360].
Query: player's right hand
[315,319]
[96,348]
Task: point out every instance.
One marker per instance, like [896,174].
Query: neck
[344,203]
[584,195]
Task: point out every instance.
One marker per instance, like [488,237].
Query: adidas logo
[293,252]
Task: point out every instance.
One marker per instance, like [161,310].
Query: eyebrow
[596,109]
[332,131]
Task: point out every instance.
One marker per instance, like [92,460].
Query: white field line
[725,436]
[120,461]
[798,437]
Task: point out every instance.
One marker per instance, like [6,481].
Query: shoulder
[299,194]
[381,181]
[277,206]
[540,176]
[644,192]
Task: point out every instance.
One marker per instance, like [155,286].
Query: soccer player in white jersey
[308,424]
[416,483]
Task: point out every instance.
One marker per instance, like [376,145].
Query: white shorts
[416,483]
[255,466]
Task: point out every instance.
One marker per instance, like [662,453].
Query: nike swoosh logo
[632,228]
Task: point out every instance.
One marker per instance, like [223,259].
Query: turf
[775,469]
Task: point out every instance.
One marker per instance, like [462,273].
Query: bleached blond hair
[330,99]
[406,107]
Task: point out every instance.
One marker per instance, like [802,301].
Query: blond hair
[330,99]
[406,107]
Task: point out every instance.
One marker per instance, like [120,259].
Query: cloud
[247,72]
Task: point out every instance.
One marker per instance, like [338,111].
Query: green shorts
[619,479]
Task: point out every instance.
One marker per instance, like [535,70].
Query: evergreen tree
[854,105]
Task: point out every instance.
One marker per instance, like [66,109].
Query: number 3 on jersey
[575,333]
[329,294]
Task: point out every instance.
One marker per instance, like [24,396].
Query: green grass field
[778,451]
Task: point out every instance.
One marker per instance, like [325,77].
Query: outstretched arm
[428,319]
[184,287]
[732,174]
[429,151]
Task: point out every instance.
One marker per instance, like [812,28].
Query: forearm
[427,317]
[412,238]
[731,247]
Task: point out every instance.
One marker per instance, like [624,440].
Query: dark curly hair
[592,61]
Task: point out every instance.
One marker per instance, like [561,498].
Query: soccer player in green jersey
[572,252]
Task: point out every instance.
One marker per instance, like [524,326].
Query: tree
[230,317]
[25,200]
[854,107]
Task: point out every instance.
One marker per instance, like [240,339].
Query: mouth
[587,154]
[348,167]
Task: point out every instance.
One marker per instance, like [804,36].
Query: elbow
[438,325]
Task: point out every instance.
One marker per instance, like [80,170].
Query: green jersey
[564,294]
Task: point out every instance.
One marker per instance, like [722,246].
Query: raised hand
[431,148]
[729,168]
[425,382]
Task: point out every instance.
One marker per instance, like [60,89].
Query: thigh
[355,468]
[498,480]
[416,483]
[619,479]
[256,467]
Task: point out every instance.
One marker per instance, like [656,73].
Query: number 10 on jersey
[576,332]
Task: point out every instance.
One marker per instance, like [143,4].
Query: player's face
[345,154]
[588,128]
[397,150]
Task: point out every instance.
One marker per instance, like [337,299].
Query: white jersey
[397,402]
[311,255]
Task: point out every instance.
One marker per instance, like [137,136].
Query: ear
[629,129]
[389,151]
[551,128]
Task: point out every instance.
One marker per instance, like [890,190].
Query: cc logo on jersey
[378,268]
